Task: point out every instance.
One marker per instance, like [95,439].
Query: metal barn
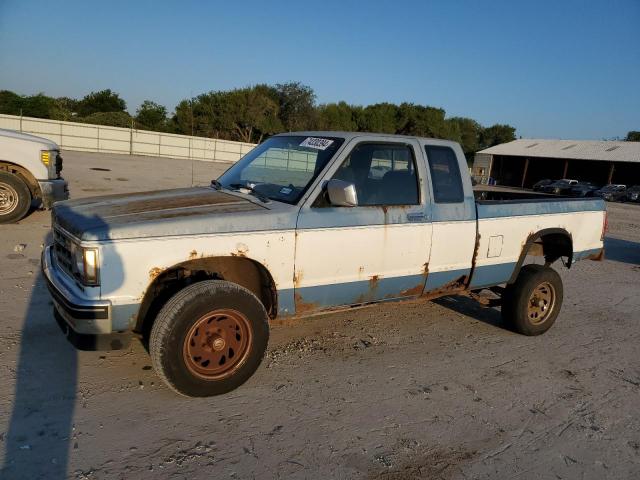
[523,162]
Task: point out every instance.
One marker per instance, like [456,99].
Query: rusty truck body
[304,223]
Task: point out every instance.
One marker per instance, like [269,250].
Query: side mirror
[341,193]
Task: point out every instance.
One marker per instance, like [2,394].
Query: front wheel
[532,303]
[209,338]
[15,198]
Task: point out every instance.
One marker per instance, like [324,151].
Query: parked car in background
[560,187]
[538,186]
[632,194]
[583,189]
[611,193]
[29,170]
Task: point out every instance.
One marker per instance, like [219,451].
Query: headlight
[86,264]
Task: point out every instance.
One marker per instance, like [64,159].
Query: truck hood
[185,211]
[45,144]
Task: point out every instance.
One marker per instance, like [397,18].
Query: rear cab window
[445,174]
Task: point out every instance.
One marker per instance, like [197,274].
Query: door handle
[416,217]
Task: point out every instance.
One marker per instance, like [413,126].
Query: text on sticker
[317,143]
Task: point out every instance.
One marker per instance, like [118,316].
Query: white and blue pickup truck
[304,223]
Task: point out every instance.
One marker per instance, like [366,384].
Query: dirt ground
[416,390]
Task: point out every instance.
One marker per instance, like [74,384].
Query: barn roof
[612,151]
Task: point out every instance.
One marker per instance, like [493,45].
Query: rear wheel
[532,303]
[15,198]
[209,338]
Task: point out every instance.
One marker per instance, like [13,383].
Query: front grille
[58,164]
[62,250]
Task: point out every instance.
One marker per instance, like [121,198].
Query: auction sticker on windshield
[317,143]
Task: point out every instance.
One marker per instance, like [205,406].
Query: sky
[551,68]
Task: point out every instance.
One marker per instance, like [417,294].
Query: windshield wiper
[252,190]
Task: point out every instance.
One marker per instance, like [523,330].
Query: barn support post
[524,173]
[566,169]
[611,169]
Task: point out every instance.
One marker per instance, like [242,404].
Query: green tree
[468,134]
[496,134]
[255,115]
[633,136]
[151,116]
[113,119]
[296,106]
[422,121]
[10,103]
[379,118]
[337,117]
[102,101]
[64,108]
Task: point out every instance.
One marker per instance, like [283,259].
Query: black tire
[523,309]
[15,198]
[180,322]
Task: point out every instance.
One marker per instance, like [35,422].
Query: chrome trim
[83,315]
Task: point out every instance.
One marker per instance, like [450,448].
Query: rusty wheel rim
[8,199]
[217,344]
[541,303]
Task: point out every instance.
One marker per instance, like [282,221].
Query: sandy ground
[415,390]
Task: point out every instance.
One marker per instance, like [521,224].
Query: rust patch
[154,272]
[455,286]
[597,257]
[417,290]
[373,282]
[241,250]
[302,306]
[297,278]
[474,259]
[193,255]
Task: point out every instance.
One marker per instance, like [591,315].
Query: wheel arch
[25,175]
[550,243]
[244,271]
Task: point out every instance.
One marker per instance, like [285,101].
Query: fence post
[131,139]
[20,120]
[98,140]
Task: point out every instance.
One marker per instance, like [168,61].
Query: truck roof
[350,135]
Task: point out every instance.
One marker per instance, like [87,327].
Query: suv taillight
[605,225]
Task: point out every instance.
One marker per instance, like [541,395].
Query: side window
[383,174]
[445,174]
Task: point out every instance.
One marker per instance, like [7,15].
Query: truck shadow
[41,433]
[622,251]
[471,308]
[40,429]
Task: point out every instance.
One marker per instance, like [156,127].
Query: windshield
[283,167]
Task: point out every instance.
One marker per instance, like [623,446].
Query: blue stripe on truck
[488,210]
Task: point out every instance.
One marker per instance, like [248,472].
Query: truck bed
[508,220]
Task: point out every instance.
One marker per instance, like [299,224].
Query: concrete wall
[99,138]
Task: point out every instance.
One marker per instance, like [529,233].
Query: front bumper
[53,191]
[86,323]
